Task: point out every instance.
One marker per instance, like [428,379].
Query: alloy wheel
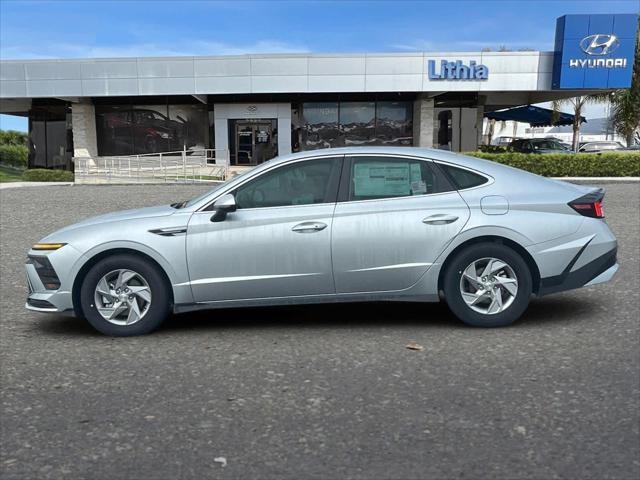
[488,285]
[122,297]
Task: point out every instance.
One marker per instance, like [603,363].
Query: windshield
[199,198]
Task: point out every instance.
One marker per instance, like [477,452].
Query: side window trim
[332,189]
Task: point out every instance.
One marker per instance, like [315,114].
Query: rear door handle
[439,219]
[309,227]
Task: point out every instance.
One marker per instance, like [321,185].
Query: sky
[81,28]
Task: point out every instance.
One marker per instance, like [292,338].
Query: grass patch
[10,174]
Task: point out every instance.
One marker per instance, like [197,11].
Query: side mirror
[224,205]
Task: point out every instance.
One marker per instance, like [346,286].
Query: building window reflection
[336,124]
[141,129]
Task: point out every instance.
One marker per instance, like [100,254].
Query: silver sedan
[336,225]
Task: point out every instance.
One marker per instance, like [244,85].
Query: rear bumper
[599,270]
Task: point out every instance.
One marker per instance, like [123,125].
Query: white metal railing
[183,166]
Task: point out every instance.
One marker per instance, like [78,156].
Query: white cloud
[145,49]
[470,45]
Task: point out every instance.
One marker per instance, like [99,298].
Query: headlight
[47,246]
[164,135]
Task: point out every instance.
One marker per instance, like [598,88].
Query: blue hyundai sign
[594,51]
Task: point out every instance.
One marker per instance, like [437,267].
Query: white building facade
[253,107]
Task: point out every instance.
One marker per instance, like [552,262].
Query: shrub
[14,155]
[610,164]
[11,137]
[492,148]
[44,175]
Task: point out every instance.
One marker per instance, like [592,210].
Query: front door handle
[440,219]
[309,227]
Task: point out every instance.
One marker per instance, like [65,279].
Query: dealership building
[250,108]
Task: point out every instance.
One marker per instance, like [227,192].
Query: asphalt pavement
[317,391]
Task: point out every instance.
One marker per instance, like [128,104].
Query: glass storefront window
[394,123]
[152,130]
[57,143]
[142,129]
[321,127]
[37,143]
[50,136]
[113,129]
[335,124]
[191,125]
[358,122]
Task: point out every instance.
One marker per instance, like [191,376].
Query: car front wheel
[488,285]
[124,295]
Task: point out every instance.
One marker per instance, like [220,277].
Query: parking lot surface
[317,391]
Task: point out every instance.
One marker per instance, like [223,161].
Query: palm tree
[577,104]
[625,104]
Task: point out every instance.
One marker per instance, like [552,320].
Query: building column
[284,128]
[423,122]
[480,124]
[83,120]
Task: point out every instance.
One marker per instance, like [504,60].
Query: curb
[598,179]
[7,185]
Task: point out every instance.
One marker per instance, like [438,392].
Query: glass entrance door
[255,142]
[244,144]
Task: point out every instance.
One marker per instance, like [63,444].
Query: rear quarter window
[462,178]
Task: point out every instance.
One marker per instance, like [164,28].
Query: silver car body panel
[368,250]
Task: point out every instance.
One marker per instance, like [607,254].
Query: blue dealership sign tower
[594,51]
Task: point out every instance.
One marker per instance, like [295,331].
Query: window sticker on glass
[418,185]
[379,179]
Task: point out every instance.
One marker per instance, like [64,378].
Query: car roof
[430,153]
[482,166]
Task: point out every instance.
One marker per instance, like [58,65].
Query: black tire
[464,258]
[159,308]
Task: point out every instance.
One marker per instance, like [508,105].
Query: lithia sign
[456,70]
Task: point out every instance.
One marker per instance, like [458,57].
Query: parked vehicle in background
[561,141]
[594,147]
[538,145]
[334,225]
[634,148]
[503,141]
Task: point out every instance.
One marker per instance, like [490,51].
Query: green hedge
[14,155]
[44,175]
[618,164]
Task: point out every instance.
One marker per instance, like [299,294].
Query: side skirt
[305,300]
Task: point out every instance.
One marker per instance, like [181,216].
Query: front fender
[173,262]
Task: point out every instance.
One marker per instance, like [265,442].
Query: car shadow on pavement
[563,308]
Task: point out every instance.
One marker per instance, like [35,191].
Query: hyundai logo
[599,44]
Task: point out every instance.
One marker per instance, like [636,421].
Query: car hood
[139,213]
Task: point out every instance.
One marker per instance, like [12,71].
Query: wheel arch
[526,256]
[82,273]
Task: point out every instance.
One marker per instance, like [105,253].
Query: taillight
[589,205]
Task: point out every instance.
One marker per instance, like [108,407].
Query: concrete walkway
[4,185]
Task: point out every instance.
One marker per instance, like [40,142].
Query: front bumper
[47,300]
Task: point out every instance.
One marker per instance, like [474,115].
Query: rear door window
[374,177]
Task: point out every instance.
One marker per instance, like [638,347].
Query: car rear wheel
[125,295]
[487,285]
